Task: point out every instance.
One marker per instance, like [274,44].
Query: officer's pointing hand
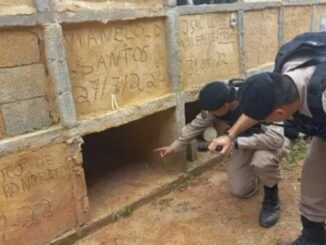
[163,151]
[225,141]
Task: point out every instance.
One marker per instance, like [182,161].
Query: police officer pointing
[257,153]
[296,89]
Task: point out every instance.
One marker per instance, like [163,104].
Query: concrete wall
[71,68]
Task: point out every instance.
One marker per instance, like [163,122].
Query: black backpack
[314,45]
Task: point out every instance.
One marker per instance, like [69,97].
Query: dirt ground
[203,212]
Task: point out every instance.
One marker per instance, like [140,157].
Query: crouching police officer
[257,152]
[295,89]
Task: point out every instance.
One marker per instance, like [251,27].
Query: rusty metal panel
[261,37]
[117,64]
[209,48]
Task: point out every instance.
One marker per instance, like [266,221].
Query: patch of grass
[296,154]
[114,217]
[126,211]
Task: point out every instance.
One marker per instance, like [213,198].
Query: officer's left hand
[225,141]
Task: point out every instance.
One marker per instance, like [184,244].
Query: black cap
[257,95]
[213,95]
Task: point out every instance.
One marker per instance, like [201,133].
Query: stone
[20,83]
[26,116]
[10,7]
[18,47]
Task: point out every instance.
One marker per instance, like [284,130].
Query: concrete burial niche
[39,195]
[79,5]
[297,20]
[116,64]
[191,110]
[120,166]
[320,18]
[260,37]
[10,7]
[26,92]
[209,48]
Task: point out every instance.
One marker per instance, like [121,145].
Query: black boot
[270,212]
[312,233]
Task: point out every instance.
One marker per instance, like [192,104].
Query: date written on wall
[100,88]
[123,60]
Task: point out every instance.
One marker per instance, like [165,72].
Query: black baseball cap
[257,96]
[214,95]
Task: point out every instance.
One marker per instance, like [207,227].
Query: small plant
[114,217]
[126,211]
[296,154]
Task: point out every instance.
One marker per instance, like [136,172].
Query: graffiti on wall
[125,60]
[208,48]
[33,188]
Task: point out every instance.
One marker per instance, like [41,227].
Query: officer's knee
[243,191]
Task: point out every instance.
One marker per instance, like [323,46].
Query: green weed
[126,211]
[296,154]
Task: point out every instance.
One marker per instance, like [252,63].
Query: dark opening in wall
[182,2]
[196,2]
[120,166]
[192,109]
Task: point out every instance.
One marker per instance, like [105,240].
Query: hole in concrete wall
[195,158]
[192,109]
[182,2]
[120,166]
